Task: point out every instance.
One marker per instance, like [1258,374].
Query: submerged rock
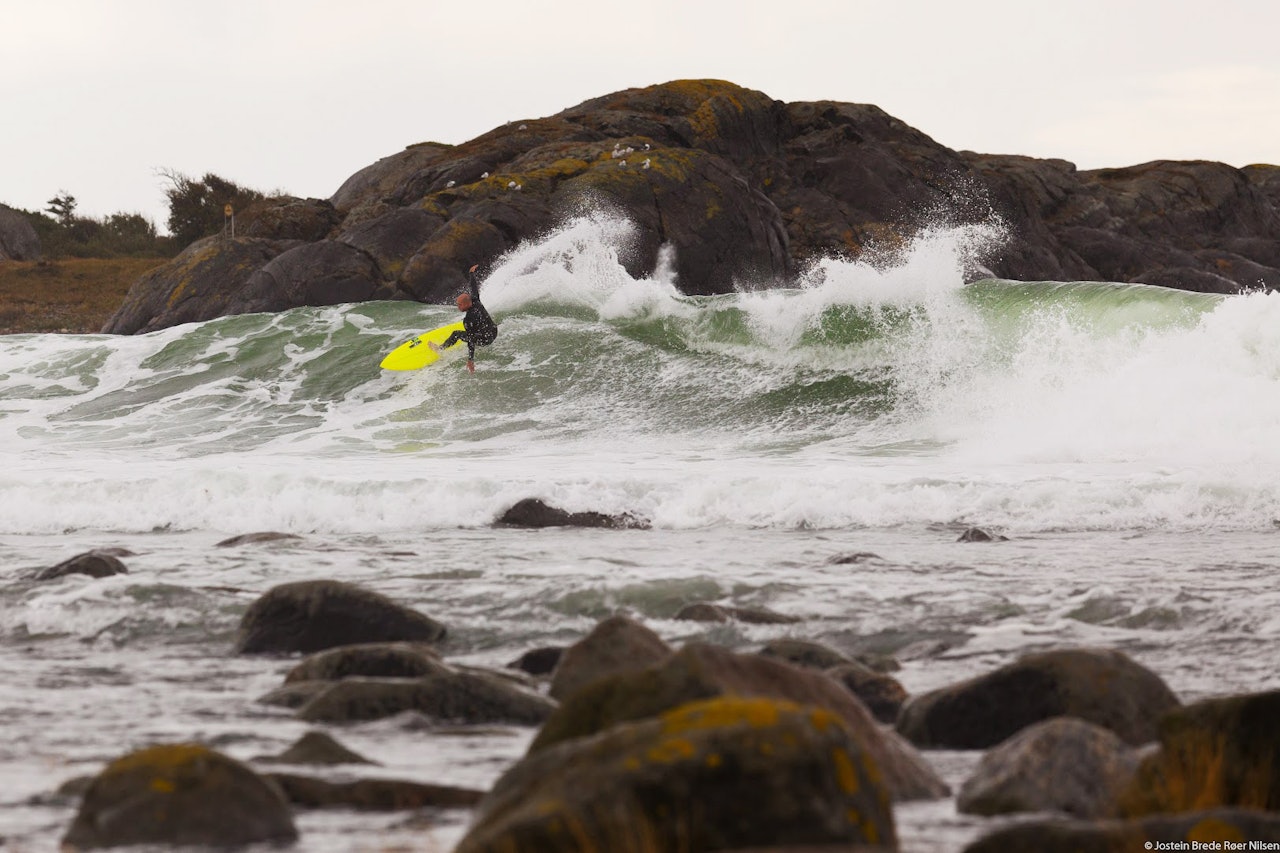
[460,697]
[1102,686]
[95,564]
[1063,764]
[617,644]
[257,539]
[977,534]
[702,611]
[382,795]
[182,794]
[310,616]
[713,775]
[700,671]
[315,748]
[532,512]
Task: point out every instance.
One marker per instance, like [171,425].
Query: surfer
[478,328]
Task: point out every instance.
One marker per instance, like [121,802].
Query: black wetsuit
[479,330]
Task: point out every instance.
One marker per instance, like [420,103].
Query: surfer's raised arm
[478,328]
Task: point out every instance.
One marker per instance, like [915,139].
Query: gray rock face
[1063,764]
[18,240]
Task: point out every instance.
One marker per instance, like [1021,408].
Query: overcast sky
[296,95]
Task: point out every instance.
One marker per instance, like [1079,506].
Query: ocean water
[1126,440]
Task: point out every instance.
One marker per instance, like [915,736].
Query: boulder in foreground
[700,671]
[180,795]
[714,775]
[1219,752]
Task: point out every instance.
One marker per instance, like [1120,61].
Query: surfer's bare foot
[435,347]
[471,367]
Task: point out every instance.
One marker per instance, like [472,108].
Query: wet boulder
[95,564]
[617,644]
[715,775]
[310,616]
[459,697]
[701,671]
[534,513]
[374,660]
[379,795]
[1102,686]
[702,611]
[180,795]
[1063,765]
[1219,752]
[315,748]
[539,661]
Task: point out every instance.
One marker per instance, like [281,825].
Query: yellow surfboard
[414,354]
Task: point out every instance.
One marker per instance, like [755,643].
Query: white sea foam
[874,394]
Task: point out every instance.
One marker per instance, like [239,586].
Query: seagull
[646,163]
[623,164]
[485,175]
[450,184]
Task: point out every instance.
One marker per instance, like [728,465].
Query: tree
[196,207]
[63,208]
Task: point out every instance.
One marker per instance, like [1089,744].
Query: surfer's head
[464,301]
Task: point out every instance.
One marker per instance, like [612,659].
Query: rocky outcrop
[745,189]
[311,616]
[1101,686]
[180,795]
[18,240]
[716,775]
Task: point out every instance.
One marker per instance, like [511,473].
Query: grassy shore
[75,295]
